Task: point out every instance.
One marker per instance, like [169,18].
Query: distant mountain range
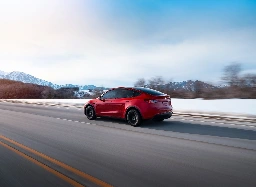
[26,78]
[189,85]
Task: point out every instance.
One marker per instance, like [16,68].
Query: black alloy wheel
[133,117]
[90,113]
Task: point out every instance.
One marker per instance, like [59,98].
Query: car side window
[120,93]
[111,94]
[129,93]
[124,93]
[136,93]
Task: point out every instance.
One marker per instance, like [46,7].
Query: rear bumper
[164,115]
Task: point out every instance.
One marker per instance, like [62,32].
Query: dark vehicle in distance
[133,104]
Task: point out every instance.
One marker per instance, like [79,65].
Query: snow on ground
[242,107]
[227,106]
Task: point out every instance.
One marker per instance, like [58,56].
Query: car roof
[143,90]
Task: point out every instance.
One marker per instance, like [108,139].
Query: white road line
[64,119]
[57,118]
[69,120]
[76,121]
[212,122]
[202,121]
[88,123]
[82,122]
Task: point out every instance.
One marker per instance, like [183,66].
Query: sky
[115,42]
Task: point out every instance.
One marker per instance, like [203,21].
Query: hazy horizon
[166,81]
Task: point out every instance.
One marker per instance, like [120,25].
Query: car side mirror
[102,99]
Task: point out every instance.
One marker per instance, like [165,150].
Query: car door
[116,104]
[104,105]
[123,97]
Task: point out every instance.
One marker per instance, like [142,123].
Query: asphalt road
[51,146]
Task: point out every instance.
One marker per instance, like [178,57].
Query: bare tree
[156,82]
[249,80]
[198,89]
[248,86]
[231,74]
[140,82]
[47,93]
[167,87]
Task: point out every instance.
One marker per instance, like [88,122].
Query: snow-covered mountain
[189,85]
[26,78]
[2,74]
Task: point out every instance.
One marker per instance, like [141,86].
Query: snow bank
[228,106]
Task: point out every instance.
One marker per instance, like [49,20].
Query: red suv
[133,104]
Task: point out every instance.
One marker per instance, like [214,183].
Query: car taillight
[150,100]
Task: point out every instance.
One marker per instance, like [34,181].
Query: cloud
[107,43]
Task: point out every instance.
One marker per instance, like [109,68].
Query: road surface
[57,146]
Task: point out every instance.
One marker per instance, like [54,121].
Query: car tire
[133,117]
[90,113]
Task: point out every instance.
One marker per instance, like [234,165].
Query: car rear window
[150,91]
